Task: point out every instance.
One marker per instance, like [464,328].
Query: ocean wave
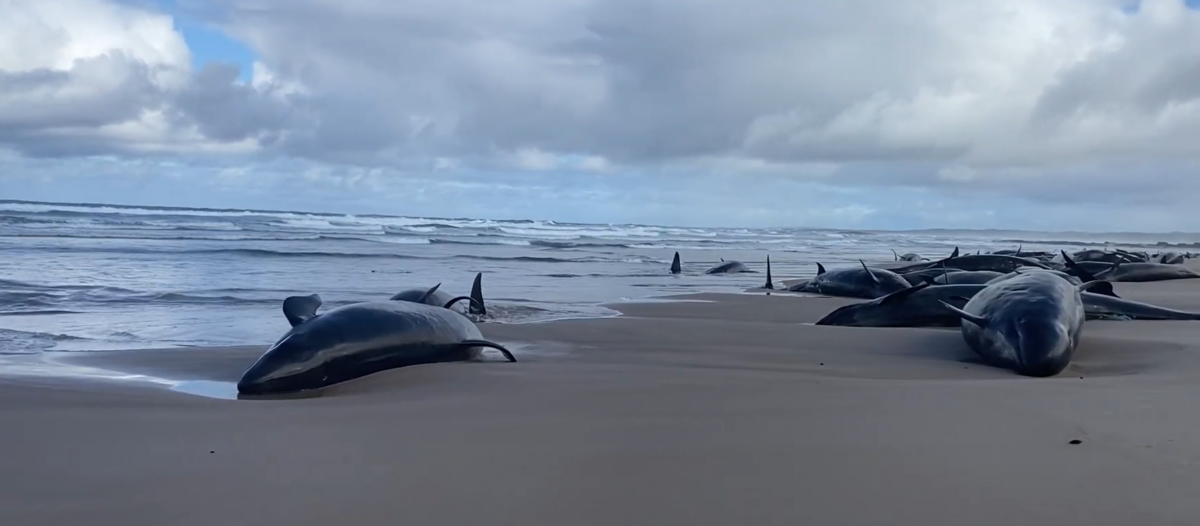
[395,240]
[13,342]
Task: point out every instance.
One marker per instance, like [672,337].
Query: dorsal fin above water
[769,284]
[477,306]
[675,266]
[299,309]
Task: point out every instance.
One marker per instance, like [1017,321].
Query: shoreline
[733,409]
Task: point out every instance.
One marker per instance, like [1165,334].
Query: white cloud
[1064,102]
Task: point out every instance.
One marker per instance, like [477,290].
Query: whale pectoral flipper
[1101,285]
[299,309]
[902,294]
[474,304]
[977,320]
[485,343]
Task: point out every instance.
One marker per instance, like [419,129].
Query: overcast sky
[1034,114]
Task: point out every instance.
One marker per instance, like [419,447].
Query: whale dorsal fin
[675,267]
[769,284]
[722,260]
[869,273]
[902,294]
[476,305]
[299,309]
[977,320]
[428,293]
[895,255]
[954,254]
[820,269]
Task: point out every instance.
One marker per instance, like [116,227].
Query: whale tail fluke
[675,267]
[770,283]
[477,306]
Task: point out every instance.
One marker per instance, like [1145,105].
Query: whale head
[291,363]
[1041,346]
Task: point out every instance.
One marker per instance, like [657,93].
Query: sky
[874,114]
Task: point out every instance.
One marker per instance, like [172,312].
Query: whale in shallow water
[852,282]
[359,339]
[438,298]
[728,267]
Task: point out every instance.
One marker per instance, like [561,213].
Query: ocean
[84,277]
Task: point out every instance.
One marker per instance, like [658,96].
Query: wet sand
[727,410]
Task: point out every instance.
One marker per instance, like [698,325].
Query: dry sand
[725,411]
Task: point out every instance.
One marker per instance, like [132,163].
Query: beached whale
[728,267]
[852,282]
[966,277]
[918,277]
[920,306]
[1142,272]
[1030,323]
[911,256]
[359,339]
[474,302]
[990,262]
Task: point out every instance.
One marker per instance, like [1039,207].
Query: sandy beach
[722,409]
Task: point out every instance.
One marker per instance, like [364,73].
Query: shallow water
[85,277]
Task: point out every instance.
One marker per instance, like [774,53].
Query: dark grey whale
[359,339]
[438,298]
[728,267]
[911,256]
[990,262]
[852,282]
[1143,272]
[966,277]
[918,277]
[1030,323]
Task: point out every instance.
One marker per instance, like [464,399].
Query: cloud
[86,77]
[1066,103]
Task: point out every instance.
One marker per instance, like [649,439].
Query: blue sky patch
[208,43]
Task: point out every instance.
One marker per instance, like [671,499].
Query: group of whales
[1022,311]
[414,326]
[1019,310]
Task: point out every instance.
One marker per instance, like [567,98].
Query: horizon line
[816,229]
